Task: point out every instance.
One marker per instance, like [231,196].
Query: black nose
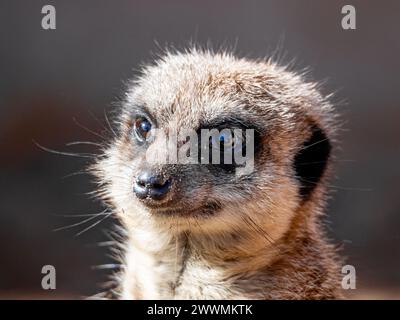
[151,186]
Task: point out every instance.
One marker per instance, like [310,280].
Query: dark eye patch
[310,162]
[231,123]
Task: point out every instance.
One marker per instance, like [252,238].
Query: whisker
[87,129]
[71,154]
[75,174]
[261,231]
[82,215]
[108,266]
[105,244]
[75,224]
[315,143]
[93,225]
[83,142]
[100,122]
[109,124]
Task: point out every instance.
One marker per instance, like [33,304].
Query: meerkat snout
[151,185]
[238,223]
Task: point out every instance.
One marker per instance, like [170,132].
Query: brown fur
[265,241]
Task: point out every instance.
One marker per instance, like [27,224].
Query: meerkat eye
[224,139]
[142,128]
[227,141]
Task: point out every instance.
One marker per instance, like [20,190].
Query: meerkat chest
[178,275]
[198,280]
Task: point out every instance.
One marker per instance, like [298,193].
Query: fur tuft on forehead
[199,85]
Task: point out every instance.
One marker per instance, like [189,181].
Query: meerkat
[200,231]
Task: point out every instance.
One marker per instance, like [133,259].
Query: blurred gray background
[48,78]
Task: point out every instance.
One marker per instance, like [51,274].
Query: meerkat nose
[151,186]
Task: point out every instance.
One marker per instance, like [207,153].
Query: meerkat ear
[310,162]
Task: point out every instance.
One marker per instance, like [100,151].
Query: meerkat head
[277,124]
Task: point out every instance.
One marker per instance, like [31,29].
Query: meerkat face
[263,113]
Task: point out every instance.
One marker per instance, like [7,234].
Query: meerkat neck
[159,263]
